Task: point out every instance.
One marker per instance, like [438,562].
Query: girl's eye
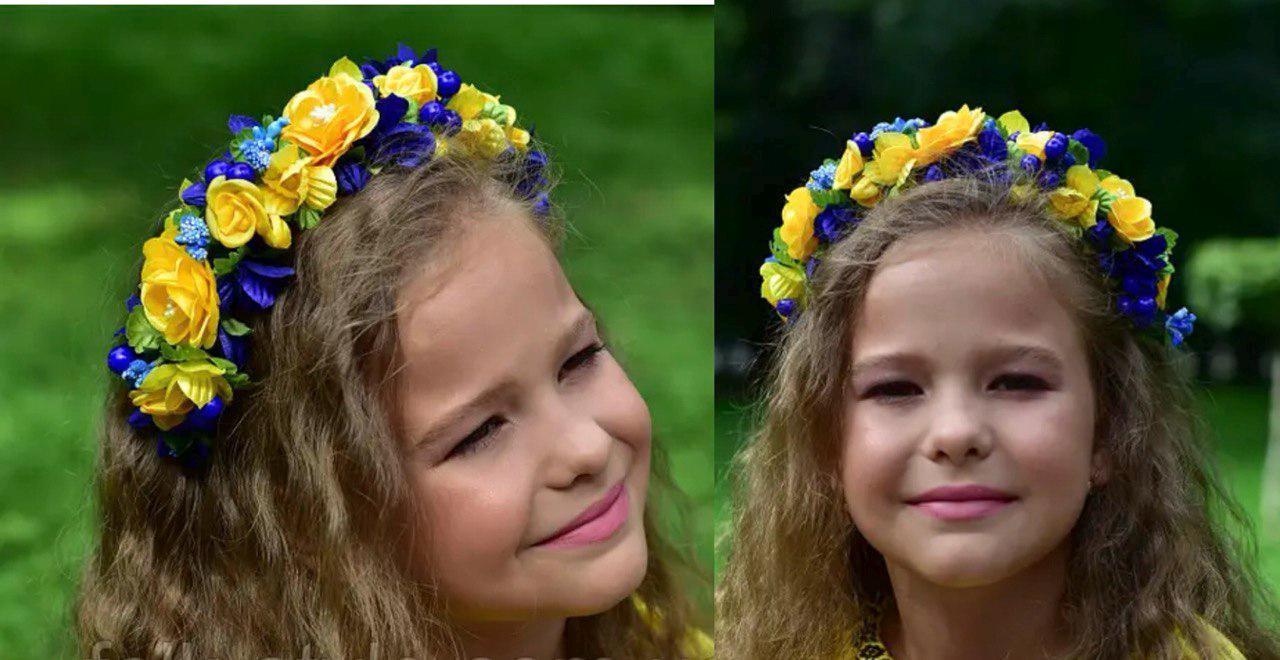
[477,438]
[1020,382]
[581,359]
[893,390]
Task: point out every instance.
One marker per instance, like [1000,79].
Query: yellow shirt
[697,645]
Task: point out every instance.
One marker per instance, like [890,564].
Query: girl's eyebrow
[995,354]
[582,324]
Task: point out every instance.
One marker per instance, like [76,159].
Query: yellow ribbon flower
[482,137]
[172,390]
[1130,215]
[236,209]
[797,224]
[291,180]
[1074,200]
[1033,143]
[413,83]
[1162,287]
[330,114]
[865,191]
[781,281]
[178,293]
[953,129]
[469,101]
[850,166]
[892,160]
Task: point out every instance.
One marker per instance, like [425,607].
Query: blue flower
[352,176]
[1055,147]
[252,282]
[406,144]
[934,173]
[865,144]
[832,223]
[193,195]
[1030,163]
[787,307]
[1050,179]
[1140,309]
[193,234]
[993,146]
[138,370]
[1097,148]
[899,125]
[1179,325]
[257,152]
[822,178]
[542,204]
[234,348]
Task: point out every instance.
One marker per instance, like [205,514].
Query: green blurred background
[107,109]
[1185,94]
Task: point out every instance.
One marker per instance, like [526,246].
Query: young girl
[977,441]
[362,413]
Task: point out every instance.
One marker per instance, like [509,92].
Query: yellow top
[697,645]
[867,644]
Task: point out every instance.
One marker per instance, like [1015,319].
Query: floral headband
[223,254]
[1097,206]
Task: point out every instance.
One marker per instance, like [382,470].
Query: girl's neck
[1020,617]
[541,639]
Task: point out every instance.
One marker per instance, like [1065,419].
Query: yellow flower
[469,102]
[892,160]
[518,137]
[236,210]
[1130,215]
[865,191]
[1162,287]
[781,281]
[1033,143]
[483,137]
[329,115]
[178,293]
[172,390]
[1074,200]
[953,128]
[797,224]
[290,180]
[849,167]
[416,83]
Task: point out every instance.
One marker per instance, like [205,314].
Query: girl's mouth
[596,523]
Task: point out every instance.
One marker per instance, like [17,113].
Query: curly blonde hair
[1149,554]
[294,541]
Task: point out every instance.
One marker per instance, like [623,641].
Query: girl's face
[524,438]
[966,371]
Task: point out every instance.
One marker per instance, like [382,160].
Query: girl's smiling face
[966,370]
[517,423]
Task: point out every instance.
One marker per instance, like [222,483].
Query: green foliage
[234,327]
[141,334]
[1232,282]
[308,217]
[224,265]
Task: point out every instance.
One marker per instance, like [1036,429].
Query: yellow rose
[1131,218]
[797,224]
[416,83]
[329,115]
[1074,200]
[178,293]
[849,167]
[781,281]
[172,390]
[291,180]
[865,191]
[1033,143]
[1117,186]
[518,137]
[469,102]
[953,129]
[236,210]
[483,137]
[892,160]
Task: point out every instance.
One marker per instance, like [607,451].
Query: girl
[429,451]
[977,442]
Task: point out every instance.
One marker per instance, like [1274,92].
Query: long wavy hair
[295,540]
[1149,553]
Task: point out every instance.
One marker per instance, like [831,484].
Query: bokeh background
[1185,93]
[107,109]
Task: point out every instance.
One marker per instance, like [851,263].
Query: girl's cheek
[475,523]
[620,410]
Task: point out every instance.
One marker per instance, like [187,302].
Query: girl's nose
[958,430]
[578,448]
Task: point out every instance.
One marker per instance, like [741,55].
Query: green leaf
[1170,237]
[356,153]
[825,198]
[345,66]
[1079,152]
[1102,174]
[411,114]
[237,380]
[178,442]
[181,352]
[224,265]
[227,366]
[308,217]
[1012,121]
[235,328]
[141,334]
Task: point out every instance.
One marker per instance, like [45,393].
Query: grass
[119,104]
[1237,415]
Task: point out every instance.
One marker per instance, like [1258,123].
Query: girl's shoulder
[697,644]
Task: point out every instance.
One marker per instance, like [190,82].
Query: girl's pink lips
[596,523]
[962,502]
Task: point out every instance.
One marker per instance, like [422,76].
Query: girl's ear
[1099,468]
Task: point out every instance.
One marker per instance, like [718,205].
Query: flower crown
[223,254]
[1097,206]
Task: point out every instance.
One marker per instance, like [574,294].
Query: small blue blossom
[787,307]
[832,223]
[822,178]
[1096,146]
[257,152]
[1179,325]
[934,173]
[137,371]
[899,125]
[992,144]
[865,144]
[1030,163]
[193,234]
